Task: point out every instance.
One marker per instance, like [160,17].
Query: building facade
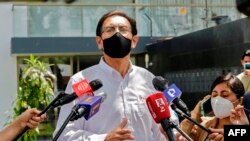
[64,34]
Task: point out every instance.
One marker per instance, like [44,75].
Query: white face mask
[221,107]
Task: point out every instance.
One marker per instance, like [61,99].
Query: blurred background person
[245,75]
[246,103]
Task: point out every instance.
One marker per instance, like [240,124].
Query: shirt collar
[109,69]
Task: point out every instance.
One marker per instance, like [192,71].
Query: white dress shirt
[125,98]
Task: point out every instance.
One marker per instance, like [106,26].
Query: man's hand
[120,133]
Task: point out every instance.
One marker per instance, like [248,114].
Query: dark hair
[246,53]
[232,82]
[113,13]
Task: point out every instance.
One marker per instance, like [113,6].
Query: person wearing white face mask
[237,117]
[227,91]
[222,106]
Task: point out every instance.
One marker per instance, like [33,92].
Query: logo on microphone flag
[158,106]
[92,104]
[172,92]
[82,87]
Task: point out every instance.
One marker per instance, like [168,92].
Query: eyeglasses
[113,29]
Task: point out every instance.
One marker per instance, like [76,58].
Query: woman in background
[226,93]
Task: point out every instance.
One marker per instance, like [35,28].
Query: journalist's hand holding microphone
[28,118]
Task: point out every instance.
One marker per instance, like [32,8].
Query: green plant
[34,90]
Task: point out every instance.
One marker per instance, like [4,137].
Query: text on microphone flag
[158,106]
[151,110]
[160,103]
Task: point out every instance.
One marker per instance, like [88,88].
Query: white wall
[8,69]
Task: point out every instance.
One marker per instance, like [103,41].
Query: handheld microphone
[87,107]
[60,95]
[172,93]
[80,88]
[158,107]
[160,83]
[182,114]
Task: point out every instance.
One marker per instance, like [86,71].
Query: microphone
[160,83]
[172,93]
[80,88]
[87,107]
[60,95]
[182,114]
[158,107]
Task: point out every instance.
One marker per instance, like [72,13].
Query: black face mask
[117,46]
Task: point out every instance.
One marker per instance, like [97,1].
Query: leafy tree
[35,89]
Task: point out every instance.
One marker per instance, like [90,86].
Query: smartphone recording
[206,108]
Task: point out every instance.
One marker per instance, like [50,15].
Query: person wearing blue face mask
[124,114]
[244,76]
[226,93]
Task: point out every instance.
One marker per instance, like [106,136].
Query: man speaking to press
[124,114]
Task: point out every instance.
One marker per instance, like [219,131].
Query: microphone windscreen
[160,83]
[96,84]
[158,107]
